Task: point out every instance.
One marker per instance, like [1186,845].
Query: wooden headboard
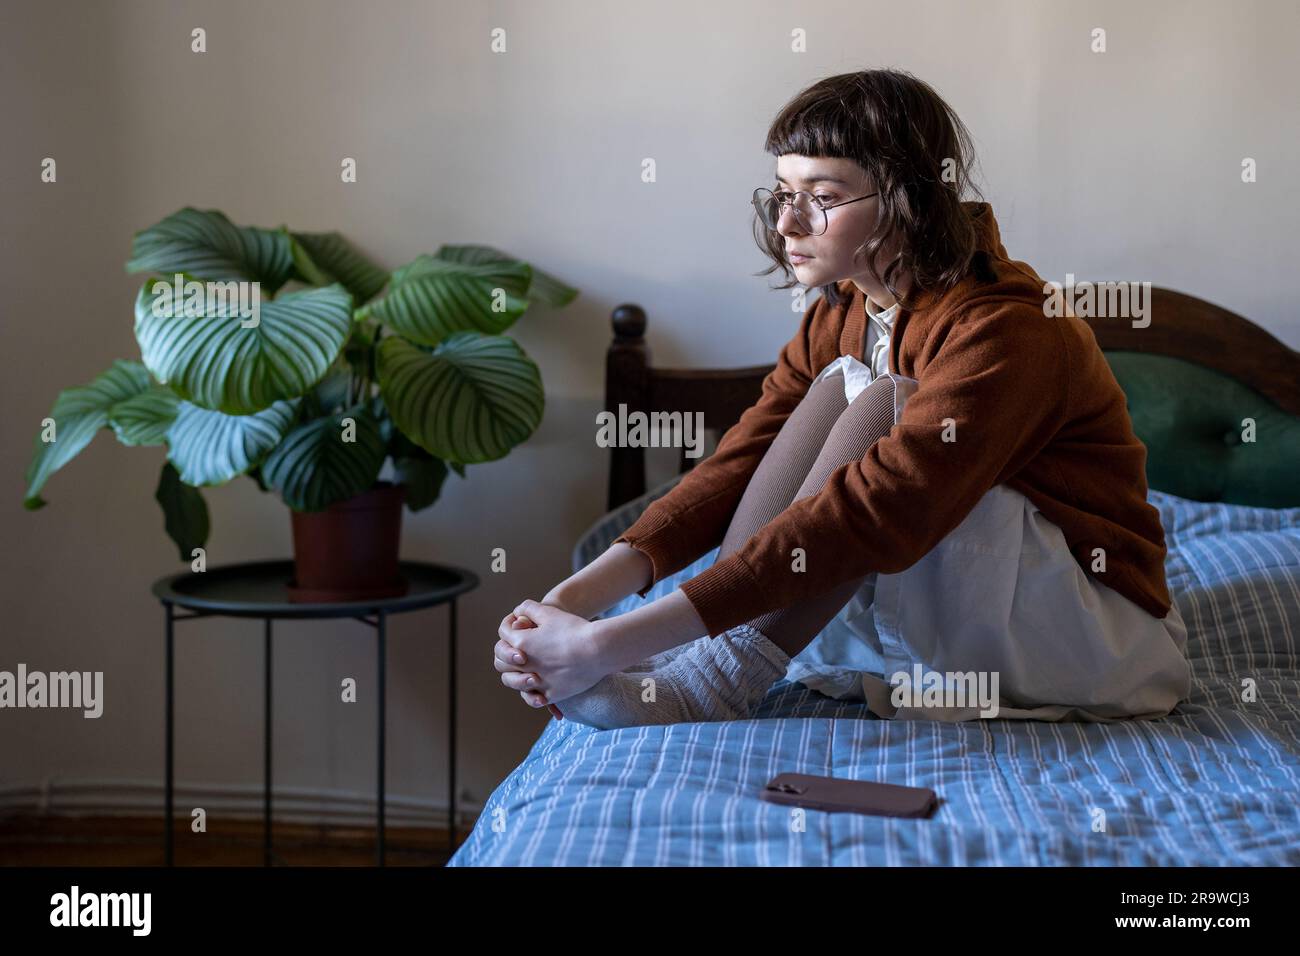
[1183,327]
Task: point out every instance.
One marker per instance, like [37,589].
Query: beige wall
[1118,165]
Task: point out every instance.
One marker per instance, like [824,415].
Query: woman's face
[830,256]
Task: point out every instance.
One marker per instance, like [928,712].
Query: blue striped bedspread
[1215,783]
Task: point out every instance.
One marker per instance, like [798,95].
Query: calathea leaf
[185,513]
[207,245]
[238,365]
[545,288]
[422,478]
[323,258]
[327,459]
[419,472]
[209,447]
[471,399]
[145,418]
[430,299]
[77,415]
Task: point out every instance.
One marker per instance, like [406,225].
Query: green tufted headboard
[1191,376]
[1192,420]
[1215,399]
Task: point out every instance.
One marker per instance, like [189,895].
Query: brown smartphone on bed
[835,794]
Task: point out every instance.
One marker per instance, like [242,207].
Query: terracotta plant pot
[348,552]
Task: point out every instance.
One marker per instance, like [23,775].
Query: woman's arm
[632,637]
[693,517]
[621,570]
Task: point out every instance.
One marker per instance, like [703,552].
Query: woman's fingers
[511,623]
[522,681]
[507,657]
[506,626]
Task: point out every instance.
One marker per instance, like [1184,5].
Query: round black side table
[258,590]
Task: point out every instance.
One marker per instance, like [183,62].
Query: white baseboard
[62,796]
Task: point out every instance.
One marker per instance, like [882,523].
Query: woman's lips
[798,259]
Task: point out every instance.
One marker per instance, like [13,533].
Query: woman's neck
[881,299]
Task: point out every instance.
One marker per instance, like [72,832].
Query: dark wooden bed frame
[1188,328]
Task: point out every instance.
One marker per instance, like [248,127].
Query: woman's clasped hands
[547,654]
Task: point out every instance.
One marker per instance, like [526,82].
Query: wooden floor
[129,841]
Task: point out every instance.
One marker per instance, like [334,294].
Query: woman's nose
[788,223]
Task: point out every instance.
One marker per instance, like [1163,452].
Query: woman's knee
[874,411]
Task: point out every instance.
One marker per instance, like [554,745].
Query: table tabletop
[259,589]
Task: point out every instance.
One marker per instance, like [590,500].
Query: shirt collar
[884,318]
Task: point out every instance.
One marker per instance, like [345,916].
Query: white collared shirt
[857,376]
[881,326]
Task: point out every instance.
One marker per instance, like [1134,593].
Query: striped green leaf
[185,513]
[78,414]
[421,474]
[326,257]
[217,363]
[545,288]
[430,299]
[206,245]
[471,399]
[145,418]
[422,477]
[209,447]
[316,464]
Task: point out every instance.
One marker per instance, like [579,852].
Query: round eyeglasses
[808,209]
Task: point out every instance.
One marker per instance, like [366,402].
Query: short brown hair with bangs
[900,131]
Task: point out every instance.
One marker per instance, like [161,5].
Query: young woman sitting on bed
[932,439]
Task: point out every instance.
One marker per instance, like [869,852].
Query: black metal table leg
[168,849]
[381,619]
[266,749]
[451,734]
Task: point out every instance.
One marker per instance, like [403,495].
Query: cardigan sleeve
[987,402]
[693,518]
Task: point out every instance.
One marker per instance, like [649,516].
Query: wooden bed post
[627,382]
[720,395]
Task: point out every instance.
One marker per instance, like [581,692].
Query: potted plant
[292,359]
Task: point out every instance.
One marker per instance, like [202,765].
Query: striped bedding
[1215,783]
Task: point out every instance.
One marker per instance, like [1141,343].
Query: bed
[1214,783]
